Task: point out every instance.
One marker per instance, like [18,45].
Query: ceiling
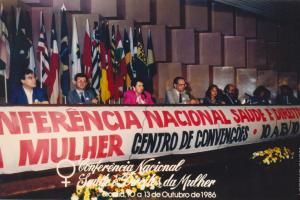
[281,10]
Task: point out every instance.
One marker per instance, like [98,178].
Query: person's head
[137,85]
[179,84]
[230,89]
[262,91]
[28,79]
[212,91]
[81,81]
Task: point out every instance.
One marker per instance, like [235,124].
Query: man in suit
[178,94]
[81,95]
[27,92]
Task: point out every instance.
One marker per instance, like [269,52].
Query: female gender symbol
[66,182]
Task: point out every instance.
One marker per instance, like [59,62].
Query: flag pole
[41,70]
[5,87]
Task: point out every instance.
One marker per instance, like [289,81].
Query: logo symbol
[65,177]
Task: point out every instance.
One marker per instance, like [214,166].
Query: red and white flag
[87,52]
[54,61]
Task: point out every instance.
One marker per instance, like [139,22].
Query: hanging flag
[106,81]
[43,53]
[64,55]
[53,76]
[96,73]
[141,61]
[4,44]
[87,52]
[13,75]
[20,46]
[121,69]
[109,66]
[18,17]
[133,50]
[150,64]
[28,28]
[128,59]
[113,47]
[76,63]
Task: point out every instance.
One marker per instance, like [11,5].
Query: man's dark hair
[26,72]
[80,75]
[135,81]
[177,78]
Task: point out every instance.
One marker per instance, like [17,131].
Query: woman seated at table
[137,95]
[213,96]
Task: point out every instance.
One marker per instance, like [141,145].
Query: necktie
[180,98]
[82,98]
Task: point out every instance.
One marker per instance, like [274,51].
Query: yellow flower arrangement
[125,184]
[273,155]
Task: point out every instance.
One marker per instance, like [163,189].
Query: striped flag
[96,58]
[87,52]
[113,47]
[53,76]
[121,69]
[128,59]
[43,53]
[4,44]
[133,50]
[64,55]
[76,63]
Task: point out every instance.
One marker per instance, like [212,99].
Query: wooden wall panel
[168,13]
[198,78]
[102,7]
[245,24]
[183,46]
[223,76]
[210,48]
[246,81]
[234,51]
[256,54]
[222,19]
[158,39]
[166,74]
[137,10]
[268,78]
[196,14]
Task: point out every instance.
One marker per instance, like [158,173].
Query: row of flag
[108,60]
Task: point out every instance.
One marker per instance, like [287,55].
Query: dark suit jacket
[18,95]
[74,98]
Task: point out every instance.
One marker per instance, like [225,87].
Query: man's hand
[94,101]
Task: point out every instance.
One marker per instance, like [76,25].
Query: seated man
[231,94]
[81,95]
[178,94]
[28,93]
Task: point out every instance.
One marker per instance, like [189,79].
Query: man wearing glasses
[27,92]
[178,94]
